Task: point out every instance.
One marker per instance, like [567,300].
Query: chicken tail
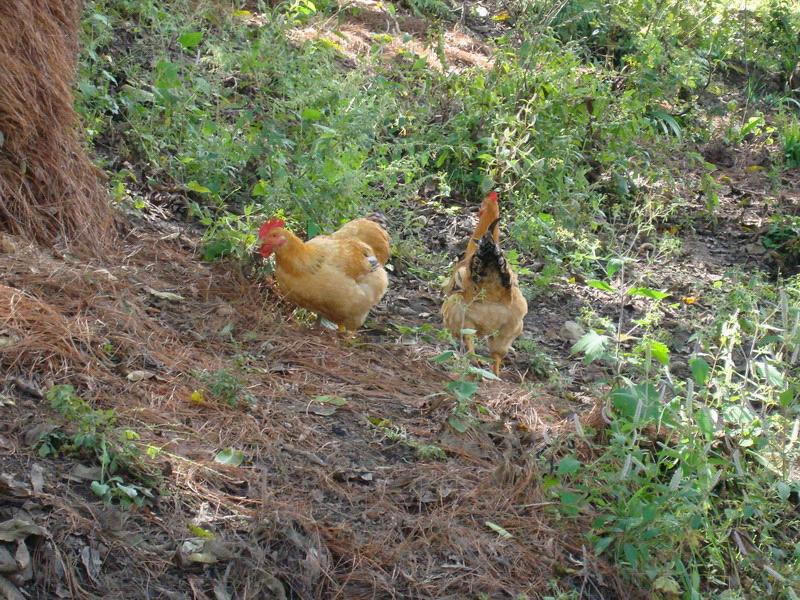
[488,262]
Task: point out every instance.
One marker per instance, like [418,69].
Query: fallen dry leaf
[139,375]
[37,478]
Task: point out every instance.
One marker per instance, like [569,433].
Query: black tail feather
[489,259]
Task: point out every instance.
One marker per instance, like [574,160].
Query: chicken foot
[470,342]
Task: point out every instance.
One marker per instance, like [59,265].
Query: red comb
[269,225]
[492,196]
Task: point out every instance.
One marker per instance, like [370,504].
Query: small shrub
[92,434]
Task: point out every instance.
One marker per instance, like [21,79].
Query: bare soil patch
[325,504]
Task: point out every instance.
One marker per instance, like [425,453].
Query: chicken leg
[498,361]
[470,344]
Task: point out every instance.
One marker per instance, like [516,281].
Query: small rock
[7,244]
[226,310]
[571,331]
[37,478]
[755,249]
[8,339]
[9,590]
[28,387]
[31,436]
[139,375]
[7,562]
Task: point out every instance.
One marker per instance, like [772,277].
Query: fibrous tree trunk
[50,191]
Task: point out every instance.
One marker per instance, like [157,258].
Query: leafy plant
[698,471]
[125,478]
[396,433]
[224,386]
[790,139]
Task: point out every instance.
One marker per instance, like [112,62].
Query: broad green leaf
[100,489]
[196,187]
[752,123]
[190,40]
[658,350]
[462,390]
[786,397]
[600,285]
[230,456]
[468,331]
[631,554]
[128,490]
[101,18]
[443,357]
[216,249]
[705,422]
[647,292]
[783,489]
[770,374]
[602,544]
[613,266]
[700,370]
[167,75]
[569,502]
[260,189]
[627,401]
[459,425]
[483,373]
[335,400]
[312,230]
[310,114]
[738,415]
[568,465]
[550,481]
[592,345]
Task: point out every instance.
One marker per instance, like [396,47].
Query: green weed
[224,386]
[92,434]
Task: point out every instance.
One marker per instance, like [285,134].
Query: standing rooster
[340,276]
[489,212]
[484,295]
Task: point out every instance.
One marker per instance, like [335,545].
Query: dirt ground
[324,502]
